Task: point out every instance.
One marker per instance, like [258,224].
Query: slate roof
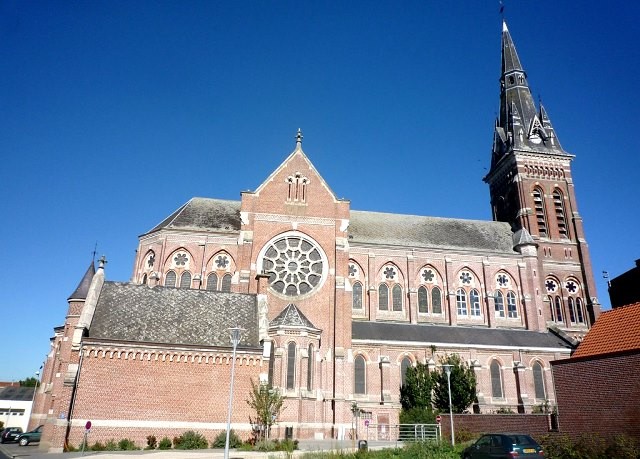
[467,336]
[165,315]
[17,393]
[81,291]
[615,331]
[291,316]
[204,214]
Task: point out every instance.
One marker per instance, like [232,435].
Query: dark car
[10,434]
[503,445]
[30,437]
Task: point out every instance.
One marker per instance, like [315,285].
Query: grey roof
[204,214]
[468,336]
[416,231]
[16,393]
[81,291]
[365,227]
[291,316]
[165,315]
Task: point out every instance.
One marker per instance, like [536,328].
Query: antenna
[95,249]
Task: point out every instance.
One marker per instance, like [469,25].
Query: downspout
[333,350]
[73,398]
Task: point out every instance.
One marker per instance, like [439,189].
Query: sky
[115,113]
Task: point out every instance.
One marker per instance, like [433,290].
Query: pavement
[12,450]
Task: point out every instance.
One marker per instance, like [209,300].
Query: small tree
[267,404]
[29,382]
[463,385]
[415,396]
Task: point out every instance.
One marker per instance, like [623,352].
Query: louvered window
[212,282]
[357,296]
[170,279]
[226,283]
[185,280]
[572,310]
[561,218]
[538,381]
[423,300]
[436,300]
[512,306]
[359,376]
[496,380]
[541,217]
[558,303]
[580,311]
[396,293]
[499,299]
[291,365]
[474,299]
[383,297]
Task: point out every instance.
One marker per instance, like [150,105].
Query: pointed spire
[299,138]
[80,293]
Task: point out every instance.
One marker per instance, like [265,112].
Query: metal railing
[403,432]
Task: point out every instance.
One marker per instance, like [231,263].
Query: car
[10,434]
[30,437]
[503,445]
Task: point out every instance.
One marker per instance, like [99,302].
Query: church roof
[291,316]
[164,315]
[617,330]
[204,214]
[459,335]
[80,293]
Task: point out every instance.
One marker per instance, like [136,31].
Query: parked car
[30,437]
[10,434]
[503,445]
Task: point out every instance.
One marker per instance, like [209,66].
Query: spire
[80,293]
[519,122]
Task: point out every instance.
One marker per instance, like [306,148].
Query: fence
[403,432]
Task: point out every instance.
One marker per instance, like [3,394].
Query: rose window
[551,286]
[428,275]
[465,277]
[294,265]
[571,286]
[181,259]
[503,280]
[353,271]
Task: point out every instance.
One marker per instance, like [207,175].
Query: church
[334,303]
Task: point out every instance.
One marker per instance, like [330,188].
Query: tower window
[541,216]
[561,218]
[291,365]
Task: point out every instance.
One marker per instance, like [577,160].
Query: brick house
[598,389]
[339,302]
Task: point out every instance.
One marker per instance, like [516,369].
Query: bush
[265,445]
[464,435]
[97,446]
[165,443]
[417,416]
[111,445]
[221,438]
[190,440]
[127,445]
[152,442]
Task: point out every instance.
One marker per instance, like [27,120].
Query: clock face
[295,264]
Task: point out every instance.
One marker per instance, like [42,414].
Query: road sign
[366,423]
[88,425]
[438,419]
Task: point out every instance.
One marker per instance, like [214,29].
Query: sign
[88,425]
[366,423]
[438,419]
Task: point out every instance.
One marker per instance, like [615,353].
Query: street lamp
[35,389]
[235,334]
[447,370]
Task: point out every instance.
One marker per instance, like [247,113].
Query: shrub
[165,443]
[464,435]
[622,447]
[127,445]
[505,410]
[417,416]
[265,445]
[97,446]
[221,438]
[152,442]
[286,445]
[111,445]
[190,440]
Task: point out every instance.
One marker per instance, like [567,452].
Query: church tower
[532,188]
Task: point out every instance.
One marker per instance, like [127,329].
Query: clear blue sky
[114,113]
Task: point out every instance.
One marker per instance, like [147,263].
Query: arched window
[561,218]
[580,311]
[396,294]
[383,297]
[359,376]
[474,299]
[357,296]
[144,279]
[512,306]
[212,282]
[310,368]
[499,299]
[538,381]
[170,279]
[572,310]
[558,303]
[541,215]
[423,300]
[226,283]
[185,280]
[291,365]
[404,365]
[496,379]
[436,300]
[461,302]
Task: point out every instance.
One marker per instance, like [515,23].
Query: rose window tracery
[295,266]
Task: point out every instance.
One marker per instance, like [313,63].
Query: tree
[29,382]
[267,403]
[463,385]
[415,396]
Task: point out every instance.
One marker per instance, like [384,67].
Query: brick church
[335,303]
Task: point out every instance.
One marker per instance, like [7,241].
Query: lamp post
[35,389]
[447,370]
[235,334]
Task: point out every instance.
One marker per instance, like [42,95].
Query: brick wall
[599,395]
[532,424]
